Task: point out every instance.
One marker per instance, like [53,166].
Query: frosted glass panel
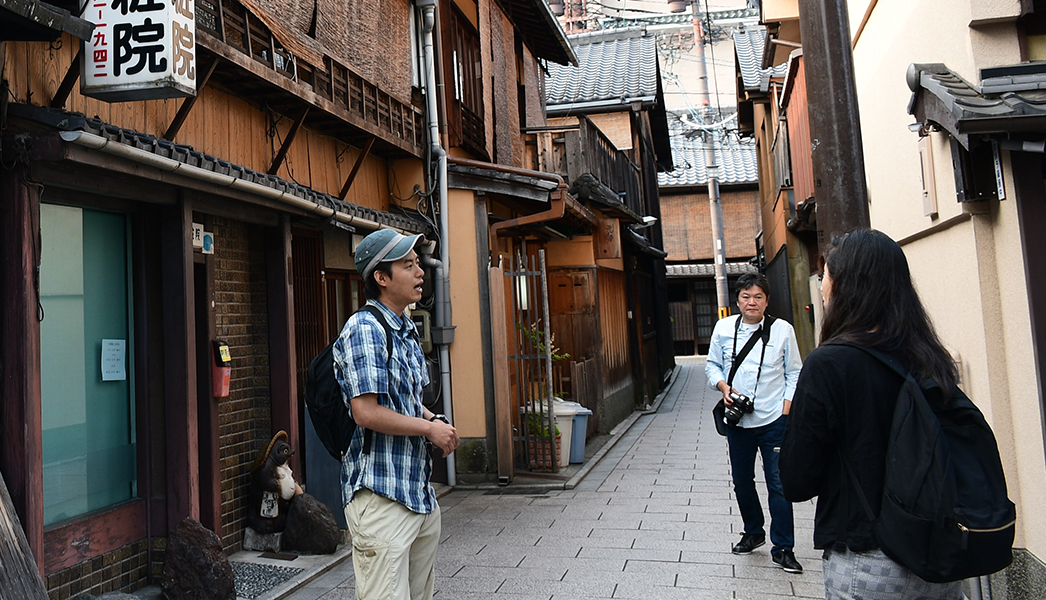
[88,423]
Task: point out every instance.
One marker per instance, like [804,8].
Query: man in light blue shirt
[767,374]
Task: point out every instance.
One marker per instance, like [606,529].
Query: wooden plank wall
[575,323]
[220,124]
[613,322]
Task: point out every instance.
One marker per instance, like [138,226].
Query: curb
[295,583]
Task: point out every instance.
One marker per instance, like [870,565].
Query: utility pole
[711,140]
[835,125]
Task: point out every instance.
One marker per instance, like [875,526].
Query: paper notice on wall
[114,361]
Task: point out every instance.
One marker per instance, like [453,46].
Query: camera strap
[762,333]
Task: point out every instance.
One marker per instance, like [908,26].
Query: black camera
[743,405]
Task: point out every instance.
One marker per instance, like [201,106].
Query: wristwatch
[441,417]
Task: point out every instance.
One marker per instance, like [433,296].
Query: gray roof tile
[737,160]
[683,18]
[749,43]
[1002,104]
[705,270]
[616,64]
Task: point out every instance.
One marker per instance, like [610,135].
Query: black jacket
[844,396]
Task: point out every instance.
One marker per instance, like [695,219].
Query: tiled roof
[66,121]
[1009,100]
[619,65]
[749,43]
[683,18]
[736,159]
[707,270]
[540,29]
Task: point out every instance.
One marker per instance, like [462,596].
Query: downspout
[443,331]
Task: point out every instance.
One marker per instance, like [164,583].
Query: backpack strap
[882,357]
[376,312]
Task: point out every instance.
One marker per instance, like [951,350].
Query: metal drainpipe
[443,319]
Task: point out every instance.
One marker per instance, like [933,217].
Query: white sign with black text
[140,50]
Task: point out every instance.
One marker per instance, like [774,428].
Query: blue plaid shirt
[398,467]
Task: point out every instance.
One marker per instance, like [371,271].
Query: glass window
[86,355]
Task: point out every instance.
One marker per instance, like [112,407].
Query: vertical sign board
[608,239]
[140,50]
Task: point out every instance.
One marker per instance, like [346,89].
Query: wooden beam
[355,120]
[71,76]
[283,374]
[80,540]
[179,334]
[188,103]
[355,169]
[282,154]
[21,450]
[502,378]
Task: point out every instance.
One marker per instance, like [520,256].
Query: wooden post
[21,454]
[502,387]
[20,577]
[179,334]
[283,375]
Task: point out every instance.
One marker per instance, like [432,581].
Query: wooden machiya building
[136,235]
[584,212]
[687,230]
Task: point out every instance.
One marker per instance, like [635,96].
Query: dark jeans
[743,446]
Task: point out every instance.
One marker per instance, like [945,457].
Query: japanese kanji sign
[608,238]
[140,50]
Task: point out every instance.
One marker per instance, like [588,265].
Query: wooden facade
[786,188]
[297,128]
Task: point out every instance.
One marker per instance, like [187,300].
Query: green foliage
[537,339]
[537,424]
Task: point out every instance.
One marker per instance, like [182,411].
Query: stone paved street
[655,519]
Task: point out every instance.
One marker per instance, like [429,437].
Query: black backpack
[945,514]
[334,426]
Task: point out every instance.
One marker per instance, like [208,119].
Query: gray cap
[384,245]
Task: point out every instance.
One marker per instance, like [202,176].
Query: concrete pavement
[653,517]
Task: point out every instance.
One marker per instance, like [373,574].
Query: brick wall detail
[244,418]
[122,570]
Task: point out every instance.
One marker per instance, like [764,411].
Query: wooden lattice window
[463,72]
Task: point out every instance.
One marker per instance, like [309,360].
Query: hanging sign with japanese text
[140,50]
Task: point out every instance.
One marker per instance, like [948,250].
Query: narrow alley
[654,519]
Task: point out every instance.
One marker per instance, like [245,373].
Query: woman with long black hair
[844,404]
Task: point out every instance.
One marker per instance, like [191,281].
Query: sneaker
[786,560]
[749,542]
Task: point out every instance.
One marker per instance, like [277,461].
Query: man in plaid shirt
[390,506]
